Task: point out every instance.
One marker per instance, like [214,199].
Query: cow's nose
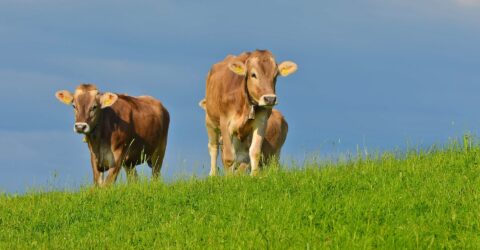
[81,127]
[270,100]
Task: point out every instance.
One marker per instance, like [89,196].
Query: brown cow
[240,94]
[120,130]
[275,136]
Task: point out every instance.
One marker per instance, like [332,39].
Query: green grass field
[427,199]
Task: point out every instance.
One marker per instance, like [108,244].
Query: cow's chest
[242,134]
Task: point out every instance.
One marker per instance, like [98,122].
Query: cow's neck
[251,112]
[94,137]
[250,105]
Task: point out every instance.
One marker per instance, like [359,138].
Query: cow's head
[87,103]
[260,71]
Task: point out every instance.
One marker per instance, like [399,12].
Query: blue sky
[373,73]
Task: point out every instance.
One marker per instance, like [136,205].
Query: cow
[275,136]
[120,130]
[240,95]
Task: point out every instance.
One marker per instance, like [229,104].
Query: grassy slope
[428,199]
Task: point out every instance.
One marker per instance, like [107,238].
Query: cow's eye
[254,75]
[73,106]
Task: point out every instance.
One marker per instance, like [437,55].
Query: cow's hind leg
[243,168]
[242,159]
[156,161]
[131,172]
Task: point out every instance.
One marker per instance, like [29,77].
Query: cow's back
[143,122]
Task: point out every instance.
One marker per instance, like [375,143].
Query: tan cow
[240,94]
[275,136]
[120,130]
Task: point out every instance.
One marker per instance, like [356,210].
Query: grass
[426,199]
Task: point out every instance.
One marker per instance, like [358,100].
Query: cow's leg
[243,167]
[114,170]
[255,151]
[97,174]
[228,149]
[156,161]
[98,178]
[112,175]
[213,139]
[131,173]
[241,155]
[258,135]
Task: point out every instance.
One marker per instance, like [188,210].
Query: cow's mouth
[268,106]
[81,128]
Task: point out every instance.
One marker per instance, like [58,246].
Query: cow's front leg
[114,170]
[258,135]
[255,152]
[213,141]
[97,174]
[228,150]
[112,175]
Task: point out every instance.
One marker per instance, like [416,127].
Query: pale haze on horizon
[374,74]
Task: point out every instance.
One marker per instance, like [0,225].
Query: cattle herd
[125,131]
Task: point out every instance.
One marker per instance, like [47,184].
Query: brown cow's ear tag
[286,68]
[238,68]
[85,139]
[108,99]
[64,96]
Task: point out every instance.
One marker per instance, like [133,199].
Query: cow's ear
[203,104]
[286,68]
[64,96]
[108,99]
[238,68]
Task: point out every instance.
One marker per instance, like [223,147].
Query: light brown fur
[275,136]
[131,131]
[229,100]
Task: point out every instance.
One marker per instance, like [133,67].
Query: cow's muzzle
[268,100]
[81,128]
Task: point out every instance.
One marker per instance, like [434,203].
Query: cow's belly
[135,158]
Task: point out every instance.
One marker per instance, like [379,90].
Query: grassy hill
[403,200]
